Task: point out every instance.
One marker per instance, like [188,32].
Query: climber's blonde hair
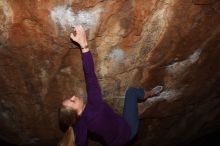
[67,117]
[68,138]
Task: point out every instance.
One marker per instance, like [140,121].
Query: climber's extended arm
[92,85]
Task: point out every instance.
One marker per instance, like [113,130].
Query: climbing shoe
[157,90]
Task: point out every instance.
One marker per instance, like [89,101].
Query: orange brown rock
[139,43]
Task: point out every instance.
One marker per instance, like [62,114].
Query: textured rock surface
[139,43]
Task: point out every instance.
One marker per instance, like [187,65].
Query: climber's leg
[130,111]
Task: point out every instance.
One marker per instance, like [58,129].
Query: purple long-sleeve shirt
[97,117]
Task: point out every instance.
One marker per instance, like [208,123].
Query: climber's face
[75,102]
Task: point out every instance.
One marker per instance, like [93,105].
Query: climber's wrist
[85,48]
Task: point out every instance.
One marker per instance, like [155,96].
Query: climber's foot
[153,92]
[148,94]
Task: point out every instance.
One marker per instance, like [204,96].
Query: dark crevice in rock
[202,2]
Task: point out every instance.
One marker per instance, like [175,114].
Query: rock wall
[139,43]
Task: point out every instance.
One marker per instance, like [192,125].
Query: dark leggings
[130,111]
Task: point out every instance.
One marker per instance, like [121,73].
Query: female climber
[96,116]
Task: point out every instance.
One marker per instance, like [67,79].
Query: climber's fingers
[79,35]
